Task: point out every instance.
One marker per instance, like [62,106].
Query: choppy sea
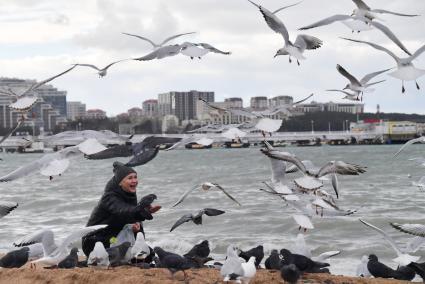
[383,194]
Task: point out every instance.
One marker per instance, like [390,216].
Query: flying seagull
[205,186]
[361,85]
[197,218]
[302,42]
[6,207]
[155,45]
[366,11]
[354,96]
[199,49]
[360,18]
[406,71]
[101,71]
[410,142]
[161,52]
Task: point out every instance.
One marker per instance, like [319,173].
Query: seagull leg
[299,228]
[402,87]
[417,86]
[321,214]
[305,230]
[290,60]
[200,57]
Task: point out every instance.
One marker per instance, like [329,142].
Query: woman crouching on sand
[117,207]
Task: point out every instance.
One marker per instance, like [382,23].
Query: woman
[117,207]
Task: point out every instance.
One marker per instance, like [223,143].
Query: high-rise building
[75,110]
[259,103]
[54,97]
[234,102]
[150,108]
[280,101]
[182,104]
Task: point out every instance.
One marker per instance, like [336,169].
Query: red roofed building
[150,108]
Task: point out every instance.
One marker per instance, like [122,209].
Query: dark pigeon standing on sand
[257,252]
[378,269]
[419,269]
[405,273]
[290,273]
[173,262]
[202,249]
[303,263]
[117,254]
[273,261]
[70,261]
[15,258]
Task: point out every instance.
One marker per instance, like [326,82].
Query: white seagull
[156,45]
[366,11]
[101,71]
[199,49]
[410,142]
[406,71]
[302,42]
[403,258]
[161,52]
[53,164]
[99,257]
[354,96]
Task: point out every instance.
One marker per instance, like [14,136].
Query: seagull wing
[185,218]
[6,207]
[227,194]
[382,11]
[327,21]
[212,212]
[341,91]
[46,237]
[24,170]
[324,256]
[150,56]
[89,65]
[340,167]
[390,35]
[12,131]
[347,75]
[76,235]
[303,100]
[278,168]
[115,151]
[374,83]
[185,195]
[414,244]
[378,47]
[143,157]
[144,38]
[413,229]
[173,37]
[38,85]
[369,76]
[361,5]
[285,157]
[335,184]
[417,53]
[284,7]
[304,42]
[273,22]
[213,49]
[386,237]
[408,143]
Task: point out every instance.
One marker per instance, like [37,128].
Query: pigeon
[15,258]
[290,273]
[142,152]
[70,261]
[273,261]
[202,250]
[117,254]
[197,219]
[303,263]
[173,262]
[205,186]
[99,257]
[257,252]
[378,269]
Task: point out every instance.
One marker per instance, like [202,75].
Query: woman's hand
[136,227]
[154,208]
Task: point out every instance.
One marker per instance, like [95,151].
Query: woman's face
[129,183]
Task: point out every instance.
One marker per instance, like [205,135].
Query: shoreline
[127,274]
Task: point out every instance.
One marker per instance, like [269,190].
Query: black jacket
[115,208]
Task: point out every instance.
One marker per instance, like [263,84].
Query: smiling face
[129,183]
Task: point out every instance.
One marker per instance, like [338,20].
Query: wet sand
[26,275]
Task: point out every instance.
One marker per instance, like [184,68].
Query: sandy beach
[158,276]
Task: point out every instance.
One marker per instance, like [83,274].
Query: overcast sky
[41,38]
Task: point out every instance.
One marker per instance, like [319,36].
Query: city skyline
[63,33]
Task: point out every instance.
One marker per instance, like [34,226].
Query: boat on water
[231,144]
[194,145]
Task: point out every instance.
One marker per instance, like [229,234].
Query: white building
[75,110]
[331,106]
